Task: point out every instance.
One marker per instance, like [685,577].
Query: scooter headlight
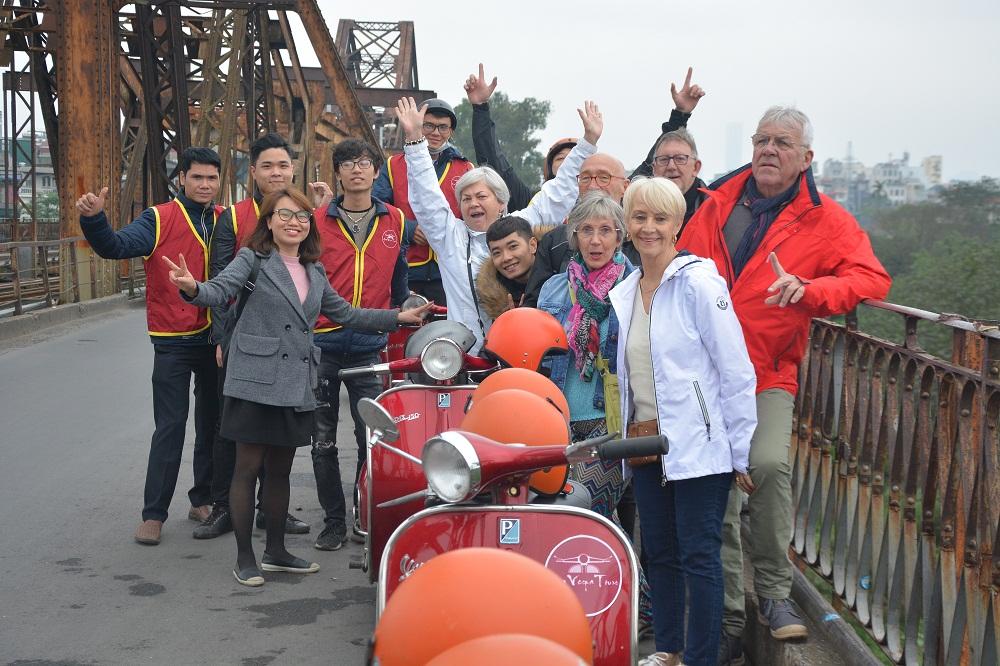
[441,359]
[452,467]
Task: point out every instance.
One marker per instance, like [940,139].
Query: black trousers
[326,463]
[173,366]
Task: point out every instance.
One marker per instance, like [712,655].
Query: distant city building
[895,181]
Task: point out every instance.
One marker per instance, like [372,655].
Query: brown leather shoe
[200,514]
[148,533]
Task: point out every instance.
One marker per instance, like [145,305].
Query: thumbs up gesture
[786,289]
[91,204]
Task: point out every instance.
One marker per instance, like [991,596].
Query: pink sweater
[299,276]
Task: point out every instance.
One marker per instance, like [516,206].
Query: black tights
[277,464]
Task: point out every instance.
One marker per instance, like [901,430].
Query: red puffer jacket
[815,239]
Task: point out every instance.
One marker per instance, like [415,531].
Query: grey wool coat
[272,359]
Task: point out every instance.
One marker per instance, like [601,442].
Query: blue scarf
[764,211]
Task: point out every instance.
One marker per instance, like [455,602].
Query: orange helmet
[469,593]
[520,337]
[515,416]
[502,649]
[527,380]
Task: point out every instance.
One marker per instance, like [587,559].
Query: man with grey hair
[482,196]
[788,254]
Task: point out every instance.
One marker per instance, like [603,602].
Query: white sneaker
[661,659]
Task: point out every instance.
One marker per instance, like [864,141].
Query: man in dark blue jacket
[179,331]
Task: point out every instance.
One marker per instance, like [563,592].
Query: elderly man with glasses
[392,187]
[788,254]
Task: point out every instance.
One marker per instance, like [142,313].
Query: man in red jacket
[789,254]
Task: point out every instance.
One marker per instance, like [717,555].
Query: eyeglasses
[285,214]
[664,160]
[760,142]
[602,179]
[430,128]
[604,233]
[363,163]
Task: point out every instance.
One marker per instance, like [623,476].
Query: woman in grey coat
[272,364]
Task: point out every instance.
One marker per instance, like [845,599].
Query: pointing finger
[482,72]
[687,79]
[776,265]
[172,265]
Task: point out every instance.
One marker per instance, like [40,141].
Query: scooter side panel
[420,412]
[592,557]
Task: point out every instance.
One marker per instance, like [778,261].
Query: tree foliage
[516,121]
[943,257]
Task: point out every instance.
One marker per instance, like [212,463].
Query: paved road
[75,422]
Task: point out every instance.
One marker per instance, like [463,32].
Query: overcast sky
[889,76]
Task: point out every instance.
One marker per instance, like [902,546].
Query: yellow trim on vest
[156,239]
[177,335]
[236,224]
[388,170]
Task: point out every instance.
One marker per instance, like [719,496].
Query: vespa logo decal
[407,565]
[591,568]
[510,531]
[406,417]
[444,400]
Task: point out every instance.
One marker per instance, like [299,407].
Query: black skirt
[254,423]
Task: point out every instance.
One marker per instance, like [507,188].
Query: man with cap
[391,187]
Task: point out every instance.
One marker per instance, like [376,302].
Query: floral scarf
[591,306]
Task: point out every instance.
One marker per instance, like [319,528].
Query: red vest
[418,255]
[166,314]
[362,276]
[244,214]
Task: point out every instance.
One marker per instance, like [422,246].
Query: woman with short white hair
[482,197]
[684,372]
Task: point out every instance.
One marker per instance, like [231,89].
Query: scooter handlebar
[365,371]
[617,449]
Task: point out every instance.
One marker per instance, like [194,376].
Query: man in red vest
[271,169]
[179,331]
[364,254]
[391,187]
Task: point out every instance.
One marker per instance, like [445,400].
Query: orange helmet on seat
[502,649]
[526,380]
[515,416]
[469,593]
[521,337]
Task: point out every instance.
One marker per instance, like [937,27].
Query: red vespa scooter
[437,367]
[481,489]
[395,349]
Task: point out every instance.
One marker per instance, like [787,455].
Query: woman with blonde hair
[683,371]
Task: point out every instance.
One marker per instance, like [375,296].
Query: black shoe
[218,523]
[291,565]
[292,524]
[331,538]
[730,650]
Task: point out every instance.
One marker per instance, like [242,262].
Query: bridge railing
[43,273]
[896,483]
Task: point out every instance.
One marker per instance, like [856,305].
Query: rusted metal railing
[896,484]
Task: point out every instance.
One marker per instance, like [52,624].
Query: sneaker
[731,650]
[250,577]
[199,514]
[331,538]
[218,523]
[148,533]
[292,524]
[661,659]
[782,617]
[291,565]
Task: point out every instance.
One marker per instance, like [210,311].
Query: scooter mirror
[377,418]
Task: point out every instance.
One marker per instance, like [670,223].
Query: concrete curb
[33,322]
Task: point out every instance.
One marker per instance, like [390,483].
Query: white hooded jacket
[704,382]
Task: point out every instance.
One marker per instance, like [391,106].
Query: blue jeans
[681,527]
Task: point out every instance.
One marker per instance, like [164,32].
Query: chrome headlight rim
[451,348]
[457,445]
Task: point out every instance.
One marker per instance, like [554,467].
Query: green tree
[517,122]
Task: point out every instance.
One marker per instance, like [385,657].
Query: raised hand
[787,288]
[687,97]
[91,204]
[322,194]
[415,315]
[593,121]
[411,118]
[476,88]
[181,277]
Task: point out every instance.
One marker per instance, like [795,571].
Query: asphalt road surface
[75,424]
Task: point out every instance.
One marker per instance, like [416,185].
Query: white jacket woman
[702,376]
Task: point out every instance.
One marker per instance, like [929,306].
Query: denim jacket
[554,299]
